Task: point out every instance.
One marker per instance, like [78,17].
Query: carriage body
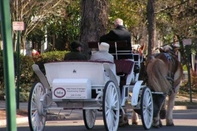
[90,86]
[78,83]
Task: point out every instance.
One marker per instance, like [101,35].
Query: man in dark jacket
[75,53]
[118,34]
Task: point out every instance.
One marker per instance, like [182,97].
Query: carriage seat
[125,68]
[121,53]
[119,49]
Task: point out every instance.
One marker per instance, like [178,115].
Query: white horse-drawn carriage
[92,86]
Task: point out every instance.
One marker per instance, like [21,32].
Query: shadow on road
[101,128]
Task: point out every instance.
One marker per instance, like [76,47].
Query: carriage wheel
[36,112]
[89,117]
[111,106]
[146,108]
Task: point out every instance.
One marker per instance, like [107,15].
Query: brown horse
[164,73]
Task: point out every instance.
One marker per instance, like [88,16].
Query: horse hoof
[156,126]
[172,124]
[123,121]
[122,124]
[134,123]
[160,124]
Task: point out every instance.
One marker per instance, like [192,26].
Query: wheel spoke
[34,103]
[115,108]
[113,92]
[107,111]
[36,118]
[147,108]
[111,107]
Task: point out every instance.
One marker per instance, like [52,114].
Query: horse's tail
[157,72]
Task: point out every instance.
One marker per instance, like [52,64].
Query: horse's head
[173,49]
[166,48]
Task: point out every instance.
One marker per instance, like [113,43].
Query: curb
[180,107]
[18,121]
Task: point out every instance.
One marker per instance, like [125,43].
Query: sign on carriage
[71,89]
[18,25]
[187,41]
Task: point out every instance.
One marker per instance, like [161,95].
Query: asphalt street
[184,120]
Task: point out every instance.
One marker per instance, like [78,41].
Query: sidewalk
[183,103]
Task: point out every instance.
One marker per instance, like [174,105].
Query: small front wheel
[146,108]
[36,112]
[111,106]
[89,117]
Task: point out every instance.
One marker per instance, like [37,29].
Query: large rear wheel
[146,108]
[36,112]
[89,117]
[111,106]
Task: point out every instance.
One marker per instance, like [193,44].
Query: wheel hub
[41,109]
[112,107]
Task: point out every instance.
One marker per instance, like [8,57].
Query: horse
[163,74]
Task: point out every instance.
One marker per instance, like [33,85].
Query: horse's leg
[123,119]
[160,115]
[170,105]
[159,110]
[156,122]
[163,110]
[156,119]
[135,118]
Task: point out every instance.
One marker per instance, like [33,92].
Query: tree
[94,20]
[151,25]
[134,15]
[33,12]
[177,18]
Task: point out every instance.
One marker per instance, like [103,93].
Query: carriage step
[56,113]
[55,108]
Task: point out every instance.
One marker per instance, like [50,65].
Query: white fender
[136,90]
[41,76]
[111,71]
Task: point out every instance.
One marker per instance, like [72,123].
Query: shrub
[52,56]
[27,76]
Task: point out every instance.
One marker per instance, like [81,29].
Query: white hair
[118,21]
[103,46]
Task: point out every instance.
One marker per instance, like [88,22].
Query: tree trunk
[93,22]
[23,44]
[151,25]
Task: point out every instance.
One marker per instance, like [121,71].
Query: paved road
[185,120]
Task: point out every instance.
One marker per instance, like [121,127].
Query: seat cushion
[124,67]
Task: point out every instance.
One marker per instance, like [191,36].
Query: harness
[171,59]
[171,69]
